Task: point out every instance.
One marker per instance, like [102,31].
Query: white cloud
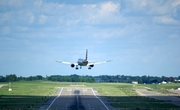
[66,17]
[102,13]
[174,36]
[31,18]
[38,2]
[42,19]
[159,8]
[140,7]
[152,7]
[137,4]
[108,7]
[90,6]
[166,20]
[175,3]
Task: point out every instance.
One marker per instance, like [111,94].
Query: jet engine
[72,65]
[91,66]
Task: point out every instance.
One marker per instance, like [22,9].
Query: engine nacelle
[72,65]
[91,66]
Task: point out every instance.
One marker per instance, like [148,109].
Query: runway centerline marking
[55,99]
[77,98]
[99,99]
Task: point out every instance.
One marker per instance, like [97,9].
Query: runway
[76,99]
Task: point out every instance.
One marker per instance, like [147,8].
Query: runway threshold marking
[100,99]
[55,99]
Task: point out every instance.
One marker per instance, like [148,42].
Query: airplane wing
[69,63]
[95,63]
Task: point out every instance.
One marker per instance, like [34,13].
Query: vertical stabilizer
[86,54]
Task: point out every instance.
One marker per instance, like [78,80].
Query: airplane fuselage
[82,62]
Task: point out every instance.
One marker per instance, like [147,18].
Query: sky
[142,37]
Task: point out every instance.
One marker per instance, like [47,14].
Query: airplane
[83,62]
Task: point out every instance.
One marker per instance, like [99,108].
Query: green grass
[113,89]
[133,99]
[21,102]
[122,95]
[27,94]
[30,95]
[29,88]
[144,105]
[162,88]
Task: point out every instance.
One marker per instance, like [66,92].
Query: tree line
[59,78]
[101,78]
[139,79]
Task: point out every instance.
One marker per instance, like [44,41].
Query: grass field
[26,95]
[122,95]
[32,95]
[162,88]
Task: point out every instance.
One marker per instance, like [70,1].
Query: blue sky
[142,37]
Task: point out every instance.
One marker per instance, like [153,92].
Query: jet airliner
[83,62]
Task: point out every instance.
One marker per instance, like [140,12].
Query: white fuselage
[82,62]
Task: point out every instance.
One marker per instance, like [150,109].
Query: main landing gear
[78,68]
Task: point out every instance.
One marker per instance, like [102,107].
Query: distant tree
[103,78]
[75,78]
[39,77]
[2,79]
[164,78]
[11,77]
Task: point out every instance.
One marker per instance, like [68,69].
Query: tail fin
[86,54]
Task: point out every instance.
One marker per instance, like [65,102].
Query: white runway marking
[55,99]
[69,90]
[99,99]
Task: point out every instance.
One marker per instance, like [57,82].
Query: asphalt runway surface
[75,98]
[168,98]
[175,92]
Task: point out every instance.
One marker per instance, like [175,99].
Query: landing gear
[89,67]
[80,67]
[77,67]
